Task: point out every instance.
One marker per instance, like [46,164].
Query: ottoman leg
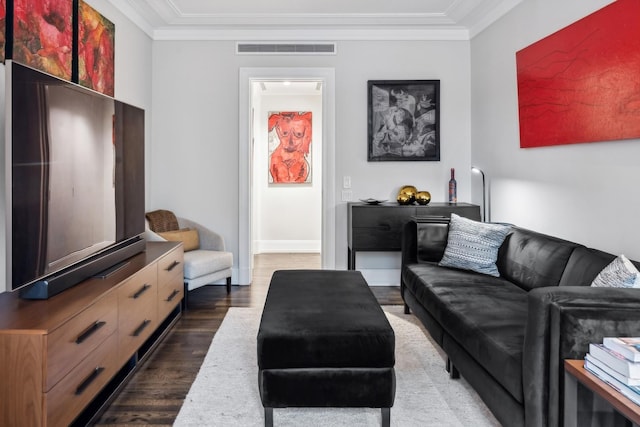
[268,417]
[386,417]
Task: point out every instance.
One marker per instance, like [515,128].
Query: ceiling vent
[286,48]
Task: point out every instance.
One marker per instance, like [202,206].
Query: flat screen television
[75,182]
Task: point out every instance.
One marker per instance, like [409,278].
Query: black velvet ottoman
[324,341]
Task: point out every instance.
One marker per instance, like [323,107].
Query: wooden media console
[62,359]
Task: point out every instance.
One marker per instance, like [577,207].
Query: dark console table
[379,227]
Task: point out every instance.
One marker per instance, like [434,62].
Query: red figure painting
[43,35]
[289,147]
[582,83]
[96,49]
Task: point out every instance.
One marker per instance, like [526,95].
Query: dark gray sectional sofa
[508,335]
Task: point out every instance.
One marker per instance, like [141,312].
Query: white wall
[195,115]
[582,192]
[288,216]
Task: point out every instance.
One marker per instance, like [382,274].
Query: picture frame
[3,30]
[95,56]
[403,120]
[289,147]
[40,42]
[566,93]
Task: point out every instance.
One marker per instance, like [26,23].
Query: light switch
[346,182]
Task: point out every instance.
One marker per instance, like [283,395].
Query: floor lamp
[484,193]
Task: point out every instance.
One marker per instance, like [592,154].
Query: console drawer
[170,282]
[378,227]
[71,342]
[137,310]
[69,397]
[170,293]
[171,265]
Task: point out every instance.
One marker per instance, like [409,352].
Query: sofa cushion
[532,260]
[187,236]
[431,238]
[162,220]
[201,262]
[486,315]
[584,265]
[620,273]
[473,245]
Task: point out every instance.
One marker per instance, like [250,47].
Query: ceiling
[318,20]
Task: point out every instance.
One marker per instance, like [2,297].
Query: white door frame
[247,76]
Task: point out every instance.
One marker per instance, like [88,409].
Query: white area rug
[225,392]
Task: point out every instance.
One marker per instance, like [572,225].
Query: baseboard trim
[381,276]
[287,246]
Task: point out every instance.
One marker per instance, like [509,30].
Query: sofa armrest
[409,243]
[561,323]
[209,240]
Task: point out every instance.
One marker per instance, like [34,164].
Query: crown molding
[134,15]
[194,34]
[163,20]
[489,18]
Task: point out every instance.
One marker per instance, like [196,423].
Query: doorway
[259,77]
[287,166]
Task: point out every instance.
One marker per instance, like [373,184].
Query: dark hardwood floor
[155,393]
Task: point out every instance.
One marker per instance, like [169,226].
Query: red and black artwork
[96,50]
[43,35]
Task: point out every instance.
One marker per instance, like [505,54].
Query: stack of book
[617,362]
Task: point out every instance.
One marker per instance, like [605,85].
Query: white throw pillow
[620,273]
[473,245]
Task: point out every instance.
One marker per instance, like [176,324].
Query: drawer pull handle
[141,328]
[173,294]
[87,382]
[173,265]
[141,291]
[89,331]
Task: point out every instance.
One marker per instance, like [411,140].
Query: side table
[589,401]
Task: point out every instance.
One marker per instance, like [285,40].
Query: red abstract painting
[96,50]
[582,83]
[43,35]
[3,29]
[289,147]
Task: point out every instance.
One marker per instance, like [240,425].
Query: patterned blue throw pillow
[620,273]
[473,245]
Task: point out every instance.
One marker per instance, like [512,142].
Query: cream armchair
[207,263]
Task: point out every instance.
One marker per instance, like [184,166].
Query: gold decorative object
[407,194]
[405,199]
[423,197]
[409,189]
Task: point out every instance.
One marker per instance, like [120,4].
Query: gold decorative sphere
[409,189]
[410,192]
[404,199]
[423,197]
